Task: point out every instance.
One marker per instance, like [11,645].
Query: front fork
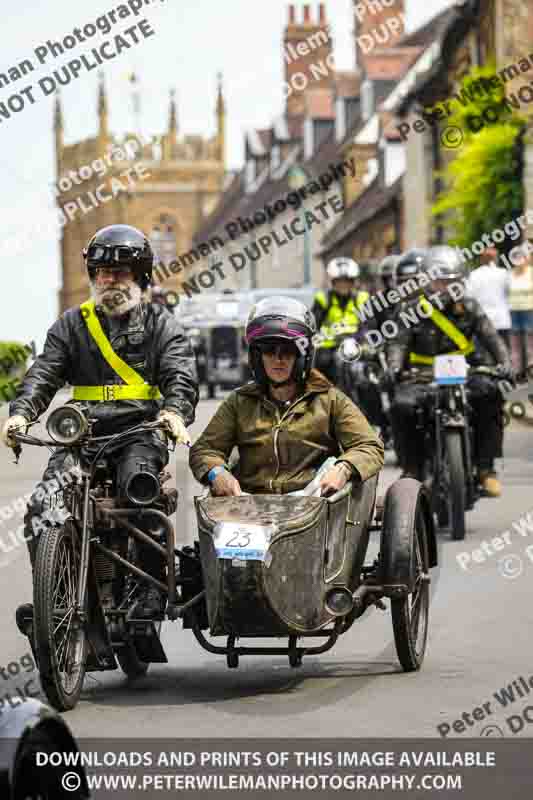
[85,554]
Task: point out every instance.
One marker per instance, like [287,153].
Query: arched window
[163,238]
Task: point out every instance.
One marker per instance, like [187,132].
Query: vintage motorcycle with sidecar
[264,566]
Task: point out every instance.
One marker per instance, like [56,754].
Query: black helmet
[281,318]
[387,268]
[411,264]
[121,247]
[444,262]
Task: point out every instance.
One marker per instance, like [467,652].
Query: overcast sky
[194,40]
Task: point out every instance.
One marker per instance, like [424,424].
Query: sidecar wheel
[407,524]
[410,613]
[60,639]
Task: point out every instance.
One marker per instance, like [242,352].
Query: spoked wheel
[59,636]
[410,613]
[456,484]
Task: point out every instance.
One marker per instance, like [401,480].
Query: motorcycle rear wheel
[60,638]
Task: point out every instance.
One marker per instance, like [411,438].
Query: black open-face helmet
[120,247]
[411,264]
[281,319]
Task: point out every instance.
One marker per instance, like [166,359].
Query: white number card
[247,542]
[450,369]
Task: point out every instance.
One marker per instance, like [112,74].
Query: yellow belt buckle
[109,392]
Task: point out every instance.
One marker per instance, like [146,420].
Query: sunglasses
[276,349]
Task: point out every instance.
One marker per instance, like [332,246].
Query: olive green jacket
[280,451]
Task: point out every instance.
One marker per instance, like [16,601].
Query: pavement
[481,619]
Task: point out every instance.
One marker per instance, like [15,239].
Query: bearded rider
[288,420]
[456,324]
[335,312]
[128,361]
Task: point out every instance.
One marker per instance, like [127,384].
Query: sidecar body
[294,566]
[270,561]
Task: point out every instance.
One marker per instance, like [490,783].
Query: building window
[163,238]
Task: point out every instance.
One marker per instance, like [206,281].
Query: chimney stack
[307,53]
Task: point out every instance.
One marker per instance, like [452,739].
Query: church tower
[165,187]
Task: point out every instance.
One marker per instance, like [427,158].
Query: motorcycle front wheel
[457,484]
[60,638]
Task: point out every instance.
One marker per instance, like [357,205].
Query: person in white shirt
[490,284]
[521,302]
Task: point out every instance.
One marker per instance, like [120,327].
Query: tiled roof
[373,200]
[390,63]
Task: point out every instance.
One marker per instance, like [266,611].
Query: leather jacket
[426,338]
[148,338]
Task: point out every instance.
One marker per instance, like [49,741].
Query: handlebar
[24,438]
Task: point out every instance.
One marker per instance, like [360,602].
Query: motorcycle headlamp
[66,425]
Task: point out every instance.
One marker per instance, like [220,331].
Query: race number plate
[450,369]
[241,541]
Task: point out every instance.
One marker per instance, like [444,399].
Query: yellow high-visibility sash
[136,388]
[464,346]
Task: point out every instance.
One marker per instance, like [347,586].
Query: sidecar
[293,566]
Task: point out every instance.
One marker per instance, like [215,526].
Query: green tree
[483,182]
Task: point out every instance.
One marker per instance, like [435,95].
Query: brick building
[174,183]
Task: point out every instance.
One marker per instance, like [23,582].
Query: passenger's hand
[225,485]
[175,426]
[335,479]
[15,424]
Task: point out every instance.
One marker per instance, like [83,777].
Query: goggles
[111,255]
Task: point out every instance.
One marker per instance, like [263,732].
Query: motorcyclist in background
[128,361]
[335,312]
[456,325]
[367,374]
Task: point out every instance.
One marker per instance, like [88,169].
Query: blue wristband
[211,475]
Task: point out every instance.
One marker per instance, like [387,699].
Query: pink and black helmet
[281,318]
